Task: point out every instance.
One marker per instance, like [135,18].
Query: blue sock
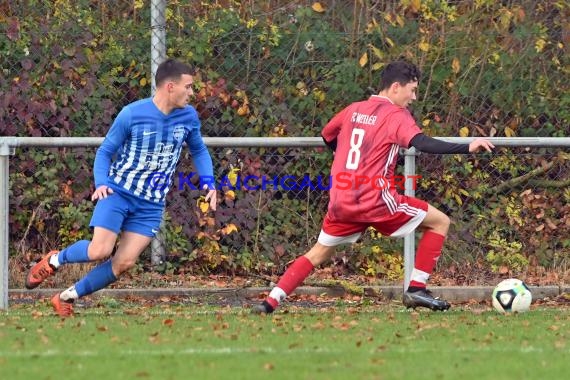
[99,277]
[75,253]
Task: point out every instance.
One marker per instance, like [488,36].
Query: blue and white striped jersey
[147,145]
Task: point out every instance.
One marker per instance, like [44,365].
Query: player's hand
[481,144]
[212,198]
[101,192]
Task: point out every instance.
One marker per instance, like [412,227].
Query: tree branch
[514,182]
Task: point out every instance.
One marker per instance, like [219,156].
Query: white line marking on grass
[473,350]
[182,352]
[266,350]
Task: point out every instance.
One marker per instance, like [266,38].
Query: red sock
[291,279]
[429,250]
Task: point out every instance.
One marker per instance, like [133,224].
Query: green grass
[126,341]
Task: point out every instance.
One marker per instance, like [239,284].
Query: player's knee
[121,266]
[444,223]
[99,251]
[319,254]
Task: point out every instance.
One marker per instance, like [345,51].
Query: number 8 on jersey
[354,152]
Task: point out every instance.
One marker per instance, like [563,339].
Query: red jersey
[369,135]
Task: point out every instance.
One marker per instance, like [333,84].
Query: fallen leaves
[318,7]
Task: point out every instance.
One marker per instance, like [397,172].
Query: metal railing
[8,145]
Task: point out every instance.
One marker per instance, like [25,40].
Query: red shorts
[410,213]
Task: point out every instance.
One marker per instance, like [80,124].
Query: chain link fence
[284,68]
[509,210]
[506,217]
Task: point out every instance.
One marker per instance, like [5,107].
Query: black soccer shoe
[424,298]
[262,308]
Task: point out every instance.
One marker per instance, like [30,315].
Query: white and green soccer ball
[511,296]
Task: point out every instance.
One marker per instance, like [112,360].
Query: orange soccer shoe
[62,308]
[39,272]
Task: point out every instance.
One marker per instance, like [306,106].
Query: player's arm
[114,139]
[332,129]
[330,144]
[428,144]
[203,164]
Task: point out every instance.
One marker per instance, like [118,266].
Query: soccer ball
[511,296]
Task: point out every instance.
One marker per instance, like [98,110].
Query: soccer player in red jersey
[366,137]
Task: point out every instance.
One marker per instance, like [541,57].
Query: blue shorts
[122,212]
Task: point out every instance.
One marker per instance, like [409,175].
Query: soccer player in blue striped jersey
[133,170]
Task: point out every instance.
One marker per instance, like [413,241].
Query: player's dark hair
[399,71]
[171,69]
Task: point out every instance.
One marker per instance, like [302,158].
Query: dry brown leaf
[363,59]
[317,7]
[455,65]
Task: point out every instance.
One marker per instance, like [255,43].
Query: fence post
[158,36]
[409,190]
[158,54]
[5,152]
